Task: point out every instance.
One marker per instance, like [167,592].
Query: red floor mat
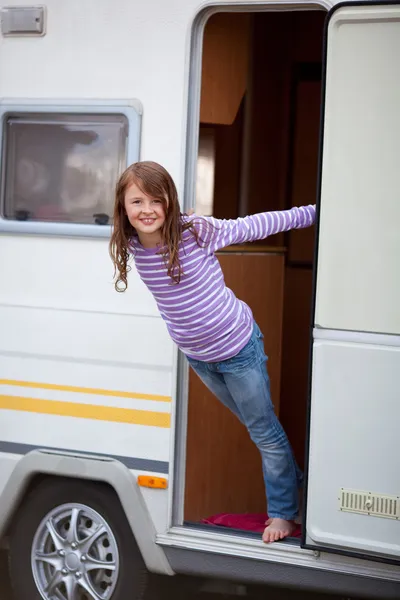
[245,522]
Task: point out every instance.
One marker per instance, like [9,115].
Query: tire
[122,571]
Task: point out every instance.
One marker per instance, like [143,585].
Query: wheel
[70,540]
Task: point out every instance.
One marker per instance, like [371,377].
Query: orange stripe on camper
[86,411]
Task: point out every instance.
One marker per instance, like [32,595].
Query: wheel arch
[37,464]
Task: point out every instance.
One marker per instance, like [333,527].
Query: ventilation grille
[366,503]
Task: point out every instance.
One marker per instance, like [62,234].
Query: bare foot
[277,529]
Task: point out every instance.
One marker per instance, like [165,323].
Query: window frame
[130,109]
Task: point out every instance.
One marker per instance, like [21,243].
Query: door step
[241,545]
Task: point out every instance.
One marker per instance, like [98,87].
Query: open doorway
[258,151]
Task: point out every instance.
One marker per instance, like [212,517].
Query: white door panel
[355,416]
[359,238]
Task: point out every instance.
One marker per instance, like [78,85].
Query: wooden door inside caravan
[258,151]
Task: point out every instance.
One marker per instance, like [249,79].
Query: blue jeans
[242,384]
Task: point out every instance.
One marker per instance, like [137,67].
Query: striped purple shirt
[204,317]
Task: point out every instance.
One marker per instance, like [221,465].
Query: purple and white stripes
[203,316]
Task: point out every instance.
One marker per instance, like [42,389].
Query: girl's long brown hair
[155,181]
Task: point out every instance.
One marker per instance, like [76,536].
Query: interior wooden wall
[269,108]
[228,157]
[301,188]
[226,47]
[223,471]
[295,357]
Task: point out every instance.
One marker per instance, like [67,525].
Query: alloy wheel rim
[75,555]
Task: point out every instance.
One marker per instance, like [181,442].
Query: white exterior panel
[359,238]
[355,414]
[62,322]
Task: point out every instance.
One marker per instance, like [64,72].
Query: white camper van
[113,456]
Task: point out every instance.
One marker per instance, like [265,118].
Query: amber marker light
[152,482]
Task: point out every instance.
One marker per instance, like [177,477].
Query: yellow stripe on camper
[85,390]
[86,411]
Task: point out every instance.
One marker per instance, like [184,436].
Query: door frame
[192,95]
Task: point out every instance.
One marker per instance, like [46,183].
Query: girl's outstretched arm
[226,232]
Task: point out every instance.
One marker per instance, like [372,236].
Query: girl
[174,255]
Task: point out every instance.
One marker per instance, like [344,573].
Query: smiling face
[145,214]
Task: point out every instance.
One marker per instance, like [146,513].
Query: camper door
[353,497]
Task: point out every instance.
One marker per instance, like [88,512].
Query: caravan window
[62,168]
